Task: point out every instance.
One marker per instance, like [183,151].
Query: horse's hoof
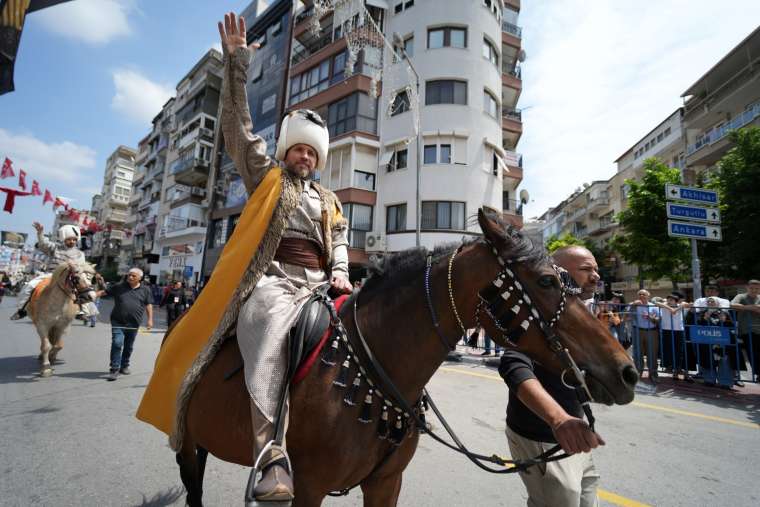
[46,372]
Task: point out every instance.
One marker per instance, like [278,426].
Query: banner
[12,239]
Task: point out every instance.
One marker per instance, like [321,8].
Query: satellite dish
[521,56]
[524,196]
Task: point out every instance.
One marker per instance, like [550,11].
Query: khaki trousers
[569,482]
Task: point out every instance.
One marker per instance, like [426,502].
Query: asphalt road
[72,439]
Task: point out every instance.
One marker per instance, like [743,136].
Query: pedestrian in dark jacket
[175,302]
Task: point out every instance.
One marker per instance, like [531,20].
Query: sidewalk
[750,393]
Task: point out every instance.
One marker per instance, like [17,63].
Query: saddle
[38,291]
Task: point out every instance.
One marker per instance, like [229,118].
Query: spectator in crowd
[710,356]
[606,312]
[542,410]
[711,291]
[673,337]
[621,331]
[747,308]
[487,345]
[5,282]
[132,300]
[647,338]
[175,302]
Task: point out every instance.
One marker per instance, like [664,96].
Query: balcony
[511,125]
[190,171]
[576,214]
[188,195]
[697,153]
[309,45]
[178,226]
[602,225]
[598,202]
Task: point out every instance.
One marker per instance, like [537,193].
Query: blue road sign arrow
[691,194]
[689,212]
[695,231]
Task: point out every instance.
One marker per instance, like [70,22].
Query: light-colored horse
[54,306]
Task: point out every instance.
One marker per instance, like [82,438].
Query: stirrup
[257,474]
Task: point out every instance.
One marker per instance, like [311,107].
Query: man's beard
[301,172]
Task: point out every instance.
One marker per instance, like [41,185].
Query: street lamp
[398,41]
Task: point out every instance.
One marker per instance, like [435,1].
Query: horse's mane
[397,269]
[58,271]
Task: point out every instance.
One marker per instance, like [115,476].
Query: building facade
[727,97]
[113,207]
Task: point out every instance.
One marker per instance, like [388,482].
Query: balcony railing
[513,159]
[511,114]
[512,206]
[716,135]
[187,163]
[178,224]
[511,29]
[514,70]
[324,40]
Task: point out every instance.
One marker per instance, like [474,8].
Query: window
[395,218]
[402,6]
[489,52]
[447,37]
[359,218]
[430,154]
[442,215]
[445,154]
[408,48]
[338,68]
[490,105]
[364,180]
[659,137]
[355,112]
[667,132]
[398,160]
[216,238]
[445,92]
[400,103]
[317,79]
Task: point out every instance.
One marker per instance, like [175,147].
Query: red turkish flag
[86,221]
[58,202]
[7,171]
[93,227]
[48,197]
[22,179]
[10,197]
[36,188]
[74,215]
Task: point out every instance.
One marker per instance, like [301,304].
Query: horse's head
[79,279]
[531,305]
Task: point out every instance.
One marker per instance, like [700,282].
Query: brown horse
[53,306]
[329,449]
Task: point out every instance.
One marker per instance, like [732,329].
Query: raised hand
[232,33]
[38,227]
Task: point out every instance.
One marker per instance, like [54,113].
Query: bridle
[70,285]
[503,289]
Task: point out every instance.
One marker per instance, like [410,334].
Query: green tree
[644,239]
[737,181]
[556,242]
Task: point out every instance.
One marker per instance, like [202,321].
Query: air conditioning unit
[374,242]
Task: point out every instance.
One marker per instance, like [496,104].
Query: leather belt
[300,252]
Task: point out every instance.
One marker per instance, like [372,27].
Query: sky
[599,74]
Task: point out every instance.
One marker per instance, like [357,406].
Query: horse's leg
[190,471]
[382,491]
[305,495]
[56,340]
[45,369]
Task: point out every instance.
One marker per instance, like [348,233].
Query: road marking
[609,496]
[639,404]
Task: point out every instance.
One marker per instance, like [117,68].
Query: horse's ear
[493,227]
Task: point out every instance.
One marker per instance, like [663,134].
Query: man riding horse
[57,255]
[304,247]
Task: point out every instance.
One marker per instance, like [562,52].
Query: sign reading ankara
[696,231]
[697,213]
[691,194]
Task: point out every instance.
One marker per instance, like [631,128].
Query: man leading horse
[57,255]
[303,246]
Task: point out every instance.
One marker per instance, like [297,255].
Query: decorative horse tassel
[348,399]
[343,373]
[382,427]
[366,414]
[330,356]
[397,433]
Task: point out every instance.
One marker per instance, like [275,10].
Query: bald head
[581,264]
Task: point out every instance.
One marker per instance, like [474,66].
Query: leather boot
[275,485]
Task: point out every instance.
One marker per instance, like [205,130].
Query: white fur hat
[68,231]
[304,127]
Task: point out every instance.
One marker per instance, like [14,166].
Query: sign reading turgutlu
[690,212]
[694,231]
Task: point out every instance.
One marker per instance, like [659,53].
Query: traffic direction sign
[689,212]
[691,194]
[694,231]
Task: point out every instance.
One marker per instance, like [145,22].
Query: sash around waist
[300,252]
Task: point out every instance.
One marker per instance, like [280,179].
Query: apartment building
[113,207]
[725,98]
[185,195]
[143,248]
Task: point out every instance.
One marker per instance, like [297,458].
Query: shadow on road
[14,370]
[87,375]
[163,498]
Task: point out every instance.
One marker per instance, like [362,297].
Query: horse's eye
[546,281]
